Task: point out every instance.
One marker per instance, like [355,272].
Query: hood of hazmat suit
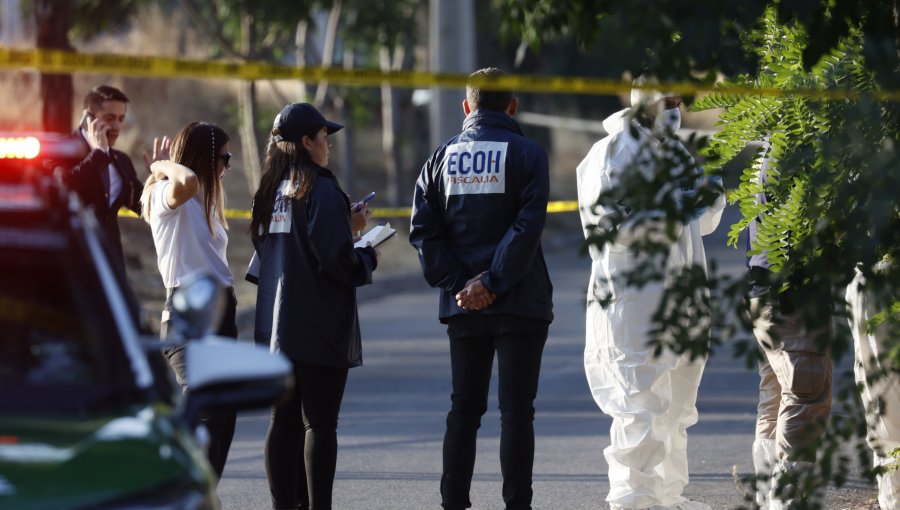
[651,399]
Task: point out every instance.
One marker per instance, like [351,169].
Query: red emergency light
[27,147]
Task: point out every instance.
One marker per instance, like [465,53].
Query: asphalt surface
[392,418]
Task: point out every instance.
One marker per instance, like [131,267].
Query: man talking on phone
[105,178]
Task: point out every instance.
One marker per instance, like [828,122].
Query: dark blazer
[90,179]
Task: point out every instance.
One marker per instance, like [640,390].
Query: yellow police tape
[558,206]
[58,61]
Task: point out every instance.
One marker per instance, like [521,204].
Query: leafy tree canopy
[690,38]
[269,25]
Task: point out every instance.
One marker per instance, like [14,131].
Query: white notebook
[375,236]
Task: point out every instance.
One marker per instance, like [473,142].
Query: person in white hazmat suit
[651,399]
[881,396]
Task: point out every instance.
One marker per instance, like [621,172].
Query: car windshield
[59,348]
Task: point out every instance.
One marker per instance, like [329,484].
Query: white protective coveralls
[651,399]
[883,417]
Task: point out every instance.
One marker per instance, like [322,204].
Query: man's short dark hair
[96,97]
[490,99]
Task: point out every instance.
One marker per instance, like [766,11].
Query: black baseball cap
[298,119]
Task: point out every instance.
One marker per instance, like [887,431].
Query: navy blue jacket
[480,205]
[308,274]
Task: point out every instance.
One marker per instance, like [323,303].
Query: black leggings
[221,421]
[301,446]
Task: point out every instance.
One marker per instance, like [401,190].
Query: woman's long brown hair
[197,147]
[285,160]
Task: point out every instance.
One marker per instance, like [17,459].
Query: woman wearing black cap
[306,301]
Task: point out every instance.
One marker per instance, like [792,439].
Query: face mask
[668,120]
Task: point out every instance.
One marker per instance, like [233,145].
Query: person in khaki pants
[794,389]
[795,376]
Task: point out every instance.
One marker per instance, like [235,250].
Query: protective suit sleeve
[331,241]
[710,218]
[515,253]
[428,234]
[639,224]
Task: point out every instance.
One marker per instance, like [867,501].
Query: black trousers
[301,445]
[519,345]
[219,422]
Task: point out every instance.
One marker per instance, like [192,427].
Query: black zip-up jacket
[480,205]
[308,274]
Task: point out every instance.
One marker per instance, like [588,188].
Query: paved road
[392,419]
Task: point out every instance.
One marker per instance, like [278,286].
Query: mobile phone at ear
[86,117]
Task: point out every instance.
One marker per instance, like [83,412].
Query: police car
[89,415]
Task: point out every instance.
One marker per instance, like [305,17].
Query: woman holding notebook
[306,301]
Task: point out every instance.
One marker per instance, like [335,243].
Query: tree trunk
[249,141]
[53,21]
[300,40]
[247,106]
[388,131]
[346,163]
[334,18]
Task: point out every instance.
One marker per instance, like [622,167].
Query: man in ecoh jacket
[478,213]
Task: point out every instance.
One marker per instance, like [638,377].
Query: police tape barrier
[559,206]
[58,61]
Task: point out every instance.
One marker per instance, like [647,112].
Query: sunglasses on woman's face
[226,158]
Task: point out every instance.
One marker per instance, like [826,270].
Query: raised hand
[161,149]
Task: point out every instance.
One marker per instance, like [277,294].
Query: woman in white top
[184,203]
